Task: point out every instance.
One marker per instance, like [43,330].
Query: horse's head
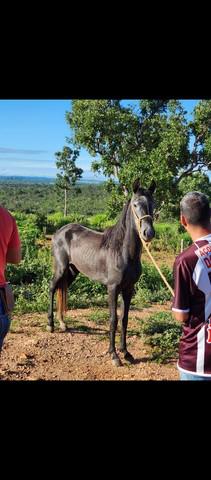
[142,207]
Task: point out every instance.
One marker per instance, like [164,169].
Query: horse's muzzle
[148,234]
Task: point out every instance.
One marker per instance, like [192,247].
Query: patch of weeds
[162,333]
[99,317]
[134,332]
[14,325]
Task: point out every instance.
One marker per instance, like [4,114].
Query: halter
[144,216]
[137,221]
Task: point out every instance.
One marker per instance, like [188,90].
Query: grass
[99,317]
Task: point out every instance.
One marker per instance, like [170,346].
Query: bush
[35,266]
[100,221]
[57,220]
[168,237]
[162,333]
[150,287]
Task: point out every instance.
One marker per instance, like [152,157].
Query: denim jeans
[4,324]
[191,376]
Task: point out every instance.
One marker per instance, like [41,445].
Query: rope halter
[138,221]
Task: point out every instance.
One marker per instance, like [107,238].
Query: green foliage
[42,200]
[168,237]
[66,164]
[35,266]
[100,221]
[30,230]
[201,129]
[162,333]
[32,297]
[69,173]
[151,142]
[196,182]
[57,220]
[98,316]
[150,287]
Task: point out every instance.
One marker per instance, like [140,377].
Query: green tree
[151,141]
[69,172]
[198,181]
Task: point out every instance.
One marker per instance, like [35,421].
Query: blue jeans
[4,324]
[191,376]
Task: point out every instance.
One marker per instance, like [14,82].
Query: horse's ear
[136,185]
[152,187]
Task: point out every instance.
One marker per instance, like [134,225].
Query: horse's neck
[132,242]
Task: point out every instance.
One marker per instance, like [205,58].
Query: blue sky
[31,131]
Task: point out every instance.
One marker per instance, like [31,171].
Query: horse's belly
[92,269]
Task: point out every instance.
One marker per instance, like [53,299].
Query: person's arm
[14,246]
[180,316]
[181,301]
[13,255]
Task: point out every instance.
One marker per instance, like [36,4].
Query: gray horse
[111,257]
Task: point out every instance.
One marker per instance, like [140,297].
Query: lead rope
[137,221]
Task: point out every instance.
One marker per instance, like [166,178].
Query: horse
[111,257]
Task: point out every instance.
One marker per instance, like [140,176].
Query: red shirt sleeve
[181,301]
[14,241]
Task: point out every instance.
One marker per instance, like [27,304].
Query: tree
[151,141]
[198,181]
[69,172]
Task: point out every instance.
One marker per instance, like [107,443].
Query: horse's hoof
[50,328]
[129,358]
[63,328]
[116,362]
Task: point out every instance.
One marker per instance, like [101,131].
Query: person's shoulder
[5,213]
[188,257]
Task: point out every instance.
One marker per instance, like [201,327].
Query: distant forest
[29,195]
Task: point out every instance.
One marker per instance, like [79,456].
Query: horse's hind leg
[69,278]
[60,268]
[53,285]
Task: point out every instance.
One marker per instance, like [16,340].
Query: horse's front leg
[112,300]
[126,297]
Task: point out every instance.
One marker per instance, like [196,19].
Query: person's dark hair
[195,207]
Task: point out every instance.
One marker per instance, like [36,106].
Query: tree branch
[190,170]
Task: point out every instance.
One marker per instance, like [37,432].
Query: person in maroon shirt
[192,289]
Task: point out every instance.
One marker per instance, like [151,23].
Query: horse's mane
[113,236]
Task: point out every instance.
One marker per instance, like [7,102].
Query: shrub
[100,221]
[162,333]
[168,237]
[150,287]
[57,220]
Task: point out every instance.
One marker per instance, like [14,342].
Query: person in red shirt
[192,289]
[10,252]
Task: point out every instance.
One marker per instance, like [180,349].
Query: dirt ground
[32,353]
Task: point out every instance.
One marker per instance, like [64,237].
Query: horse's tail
[61,303]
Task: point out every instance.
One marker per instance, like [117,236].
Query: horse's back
[82,248]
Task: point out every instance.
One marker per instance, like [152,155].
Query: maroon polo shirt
[192,290]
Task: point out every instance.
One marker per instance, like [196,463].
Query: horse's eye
[135,204]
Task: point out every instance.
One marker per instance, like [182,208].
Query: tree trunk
[125,190]
[65,202]
[116,174]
